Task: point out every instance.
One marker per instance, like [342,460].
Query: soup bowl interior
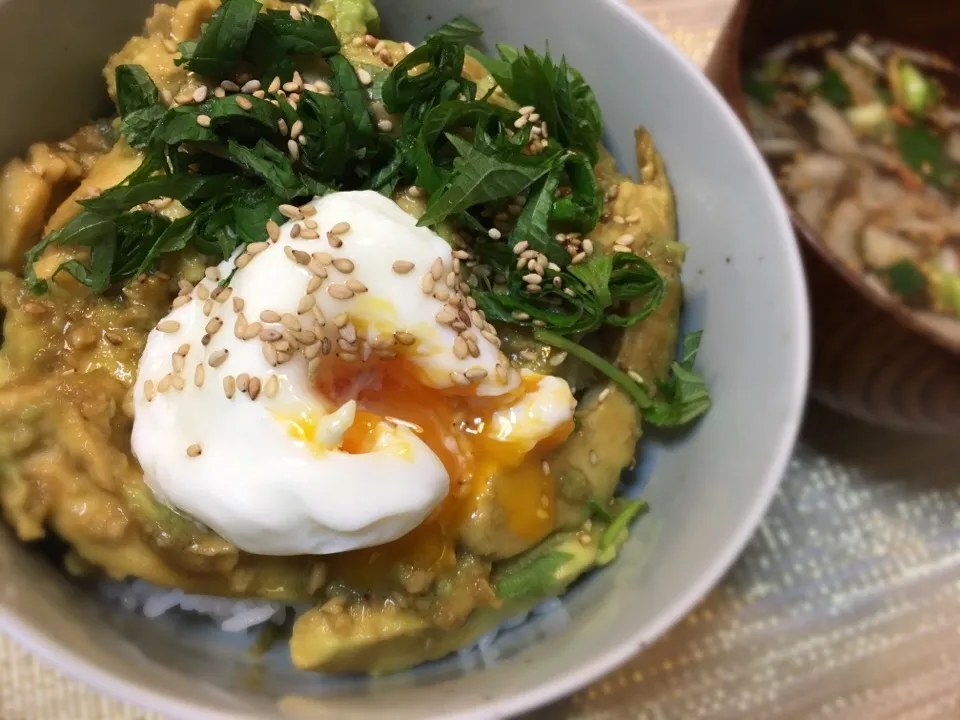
[872,357]
[707,488]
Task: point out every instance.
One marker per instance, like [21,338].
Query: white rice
[240,615]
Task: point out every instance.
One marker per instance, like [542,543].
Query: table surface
[844,605]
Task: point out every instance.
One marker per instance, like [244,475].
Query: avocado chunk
[547,569]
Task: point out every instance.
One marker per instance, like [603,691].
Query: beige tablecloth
[31,690]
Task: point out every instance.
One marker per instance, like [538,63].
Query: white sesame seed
[356,286]
[604,394]
[295,230]
[520,122]
[200,94]
[149,390]
[364,76]
[620,249]
[253,388]
[176,381]
[578,258]
[214,325]
[289,211]
[339,292]
[594,458]
[218,357]
[199,374]
[385,125]
[344,265]
[243,380]
[272,387]
[168,326]
[293,149]
[306,303]
[459,378]
[181,300]
[532,279]
[219,92]
[194,450]
[402,267]
[270,335]
[230,86]
[274,86]
[635,376]
[295,13]
[626,239]
[520,247]
[270,354]
[340,228]
[203,120]
[244,103]
[588,246]
[296,129]
[404,338]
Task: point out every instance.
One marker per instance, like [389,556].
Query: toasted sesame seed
[349,333]
[244,103]
[218,357]
[274,86]
[164,383]
[340,228]
[253,387]
[295,230]
[222,294]
[404,338]
[427,283]
[176,381]
[364,76]
[290,321]
[295,13]
[301,257]
[273,230]
[194,450]
[441,294]
[178,362]
[149,390]
[578,258]
[340,320]
[402,267]
[344,265]
[473,347]
[604,394]
[213,325]
[545,466]
[503,374]
[269,353]
[594,459]
[334,240]
[617,248]
[199,375]
[324,258]
[219,92]
[243,380]
[436,269]
[445,316]
[243,260]
[493,339]
[385,125]
[270,316]
[306,303]
[200,94]
[532,279]
[460,347]
[494,234]
[181,300]
[203,120]
[269,335]
[310,224]
[314,284]
[476,374]
[289,211]
[317,269]
[272,387]
[339,292]
[635,376]
[168,326]
[356,286]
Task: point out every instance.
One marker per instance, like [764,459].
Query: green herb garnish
[907,281]
[834,90]
[616,533]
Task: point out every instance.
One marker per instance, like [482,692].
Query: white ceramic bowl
[708,489]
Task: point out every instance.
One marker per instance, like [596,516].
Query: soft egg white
[269,473]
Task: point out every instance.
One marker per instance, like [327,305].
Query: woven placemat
[32,690]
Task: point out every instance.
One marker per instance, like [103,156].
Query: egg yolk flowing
[454,423]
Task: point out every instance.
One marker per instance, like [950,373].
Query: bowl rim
[728,61]
[637,639]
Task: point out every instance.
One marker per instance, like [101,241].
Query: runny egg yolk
[454,423]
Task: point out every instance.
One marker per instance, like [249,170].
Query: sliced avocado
[347,639]
[546,569]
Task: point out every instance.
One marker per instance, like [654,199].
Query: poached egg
[339,391]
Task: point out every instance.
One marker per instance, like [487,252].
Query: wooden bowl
[871,358]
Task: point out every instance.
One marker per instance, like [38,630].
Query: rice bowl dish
[334,336]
